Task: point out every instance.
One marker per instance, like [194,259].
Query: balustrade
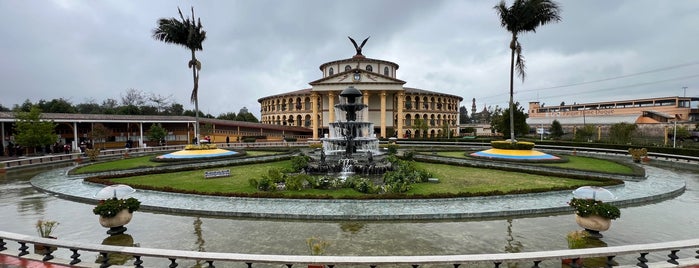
[496,259]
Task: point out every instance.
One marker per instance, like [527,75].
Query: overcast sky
[602,50]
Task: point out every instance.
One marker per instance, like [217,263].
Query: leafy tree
[586,133]
[175,109]
[128,110]
[56,106]
[4,109]
[463,115]
[25,107]
[99,133]
[620,133]
[501,122]
[246,117]
[33,132]
[556,130]
[523,16]
[149,110]
[227,116]
[90,107]
[157,133]
[109,106]
[188,33]
[207,129]
[420,126]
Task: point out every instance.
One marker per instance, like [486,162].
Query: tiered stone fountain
[351,145]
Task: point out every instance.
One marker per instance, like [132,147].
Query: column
[366,110]
[399,123]
[314,115]
[331,106]
[75,137]
[140,138]
[383,114]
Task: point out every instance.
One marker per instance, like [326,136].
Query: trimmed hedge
[506,145]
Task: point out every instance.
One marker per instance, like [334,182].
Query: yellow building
[391,107]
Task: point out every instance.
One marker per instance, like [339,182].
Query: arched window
[331,71]
[369,68]
[307,121]
[307,104]
[299,105]
[347,68]
[385,71]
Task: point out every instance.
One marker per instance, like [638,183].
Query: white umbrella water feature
[117,191]
[113,209]
[593,192]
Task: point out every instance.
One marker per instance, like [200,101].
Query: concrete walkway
[659,184]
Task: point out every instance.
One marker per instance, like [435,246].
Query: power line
[610,78]
[628,86]
[617,77]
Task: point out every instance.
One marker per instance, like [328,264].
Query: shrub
[254,183]
[392,149]
[315,145]
[506,145]
[364,185]
[110,207]
[295,182]
[266,184]
[587,207]
[204,146]
[92,154]
[299,162]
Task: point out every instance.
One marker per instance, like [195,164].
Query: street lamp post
[674,135]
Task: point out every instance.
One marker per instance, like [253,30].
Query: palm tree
[188,33]
[523,16]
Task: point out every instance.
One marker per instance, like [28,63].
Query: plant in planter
[115,213]
[92,154]
[317,247]
[638,154]
[45,228]
[594,215]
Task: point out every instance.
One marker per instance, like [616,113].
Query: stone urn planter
[116,223]
[593,224]
[594,215]
[114,213]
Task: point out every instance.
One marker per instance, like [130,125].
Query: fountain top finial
[351,94]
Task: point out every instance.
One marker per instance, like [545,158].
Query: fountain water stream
[350,142]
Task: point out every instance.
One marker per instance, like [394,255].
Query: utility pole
[685,91]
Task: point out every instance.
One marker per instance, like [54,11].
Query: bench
[217,173]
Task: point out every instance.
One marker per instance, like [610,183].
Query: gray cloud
[81,50]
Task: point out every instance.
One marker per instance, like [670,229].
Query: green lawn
[457,179]
[453,180]
[574,162]
[140,162]
[194,180]
[122,164]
